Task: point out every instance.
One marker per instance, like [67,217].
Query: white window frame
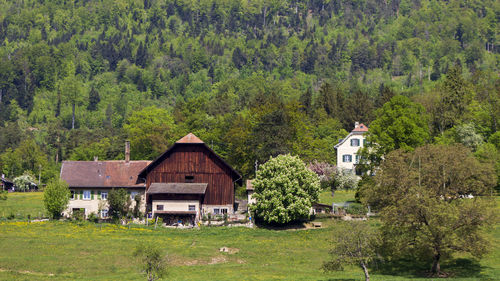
[347,158]
[356,158]
[104,213]
[355,140]
[104,195]
[162,208]
[216,211]
[86,192]
[191,207]
[223,211]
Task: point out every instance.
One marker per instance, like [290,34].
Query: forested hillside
[250,78]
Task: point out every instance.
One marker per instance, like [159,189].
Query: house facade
[91,181]
[187,181]
[348,148]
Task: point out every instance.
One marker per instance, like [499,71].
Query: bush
[56,197]
[154,264]
[3,195]
[119,203]
[93,217]
[78,215]
[356,209]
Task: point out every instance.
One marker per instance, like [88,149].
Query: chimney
[356,124]
[127,151]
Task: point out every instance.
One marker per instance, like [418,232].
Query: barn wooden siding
[196,160]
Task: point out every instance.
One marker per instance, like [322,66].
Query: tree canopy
[284,190]
[433,201]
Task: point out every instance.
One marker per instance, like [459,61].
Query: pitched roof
[177,188]
[189,139]
[102,173]
[360,128]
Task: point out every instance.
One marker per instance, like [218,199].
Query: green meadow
[88,251]
[341,196]
[22,204]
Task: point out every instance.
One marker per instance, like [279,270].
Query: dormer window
[354,142]
[189,179]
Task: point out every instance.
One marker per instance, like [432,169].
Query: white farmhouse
[347,149]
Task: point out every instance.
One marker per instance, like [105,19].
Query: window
[216,211]
[159,207]
[133,194]
[354,142]
[189,178]
[72,195]
[364,142]
[192,208]
[104,195]
[357,159]
[86,195]
[347,158]
[223,211]
[104,213]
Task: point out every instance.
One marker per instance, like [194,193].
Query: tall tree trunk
[436,268]
[73,121]
[367,276]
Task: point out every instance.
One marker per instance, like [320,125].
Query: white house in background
[347,148]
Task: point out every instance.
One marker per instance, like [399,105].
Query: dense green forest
[250,78]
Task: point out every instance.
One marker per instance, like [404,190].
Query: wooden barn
[187,181]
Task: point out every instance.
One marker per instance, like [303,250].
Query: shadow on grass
[462,268]
[293,226]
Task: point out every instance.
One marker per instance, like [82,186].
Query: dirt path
[26,272]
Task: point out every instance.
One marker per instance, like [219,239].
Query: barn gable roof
[189,139]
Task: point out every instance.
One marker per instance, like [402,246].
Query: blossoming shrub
[284,190]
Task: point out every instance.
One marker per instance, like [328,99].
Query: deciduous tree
[284,190]
[56,197]
[354,243]
[433,202]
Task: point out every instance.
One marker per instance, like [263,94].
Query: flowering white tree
[24,182]
[345,179]
[284,190]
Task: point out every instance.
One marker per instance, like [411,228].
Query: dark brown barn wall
[195,160]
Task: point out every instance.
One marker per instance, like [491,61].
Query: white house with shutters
[347,148]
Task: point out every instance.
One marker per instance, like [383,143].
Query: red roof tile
[360,128]
[102,173]
[189,138]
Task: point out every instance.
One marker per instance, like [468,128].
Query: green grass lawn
[22,204]
[87,251]
[341,196]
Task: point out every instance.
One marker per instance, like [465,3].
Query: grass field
[22,204]
[87,251]
[341,196]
